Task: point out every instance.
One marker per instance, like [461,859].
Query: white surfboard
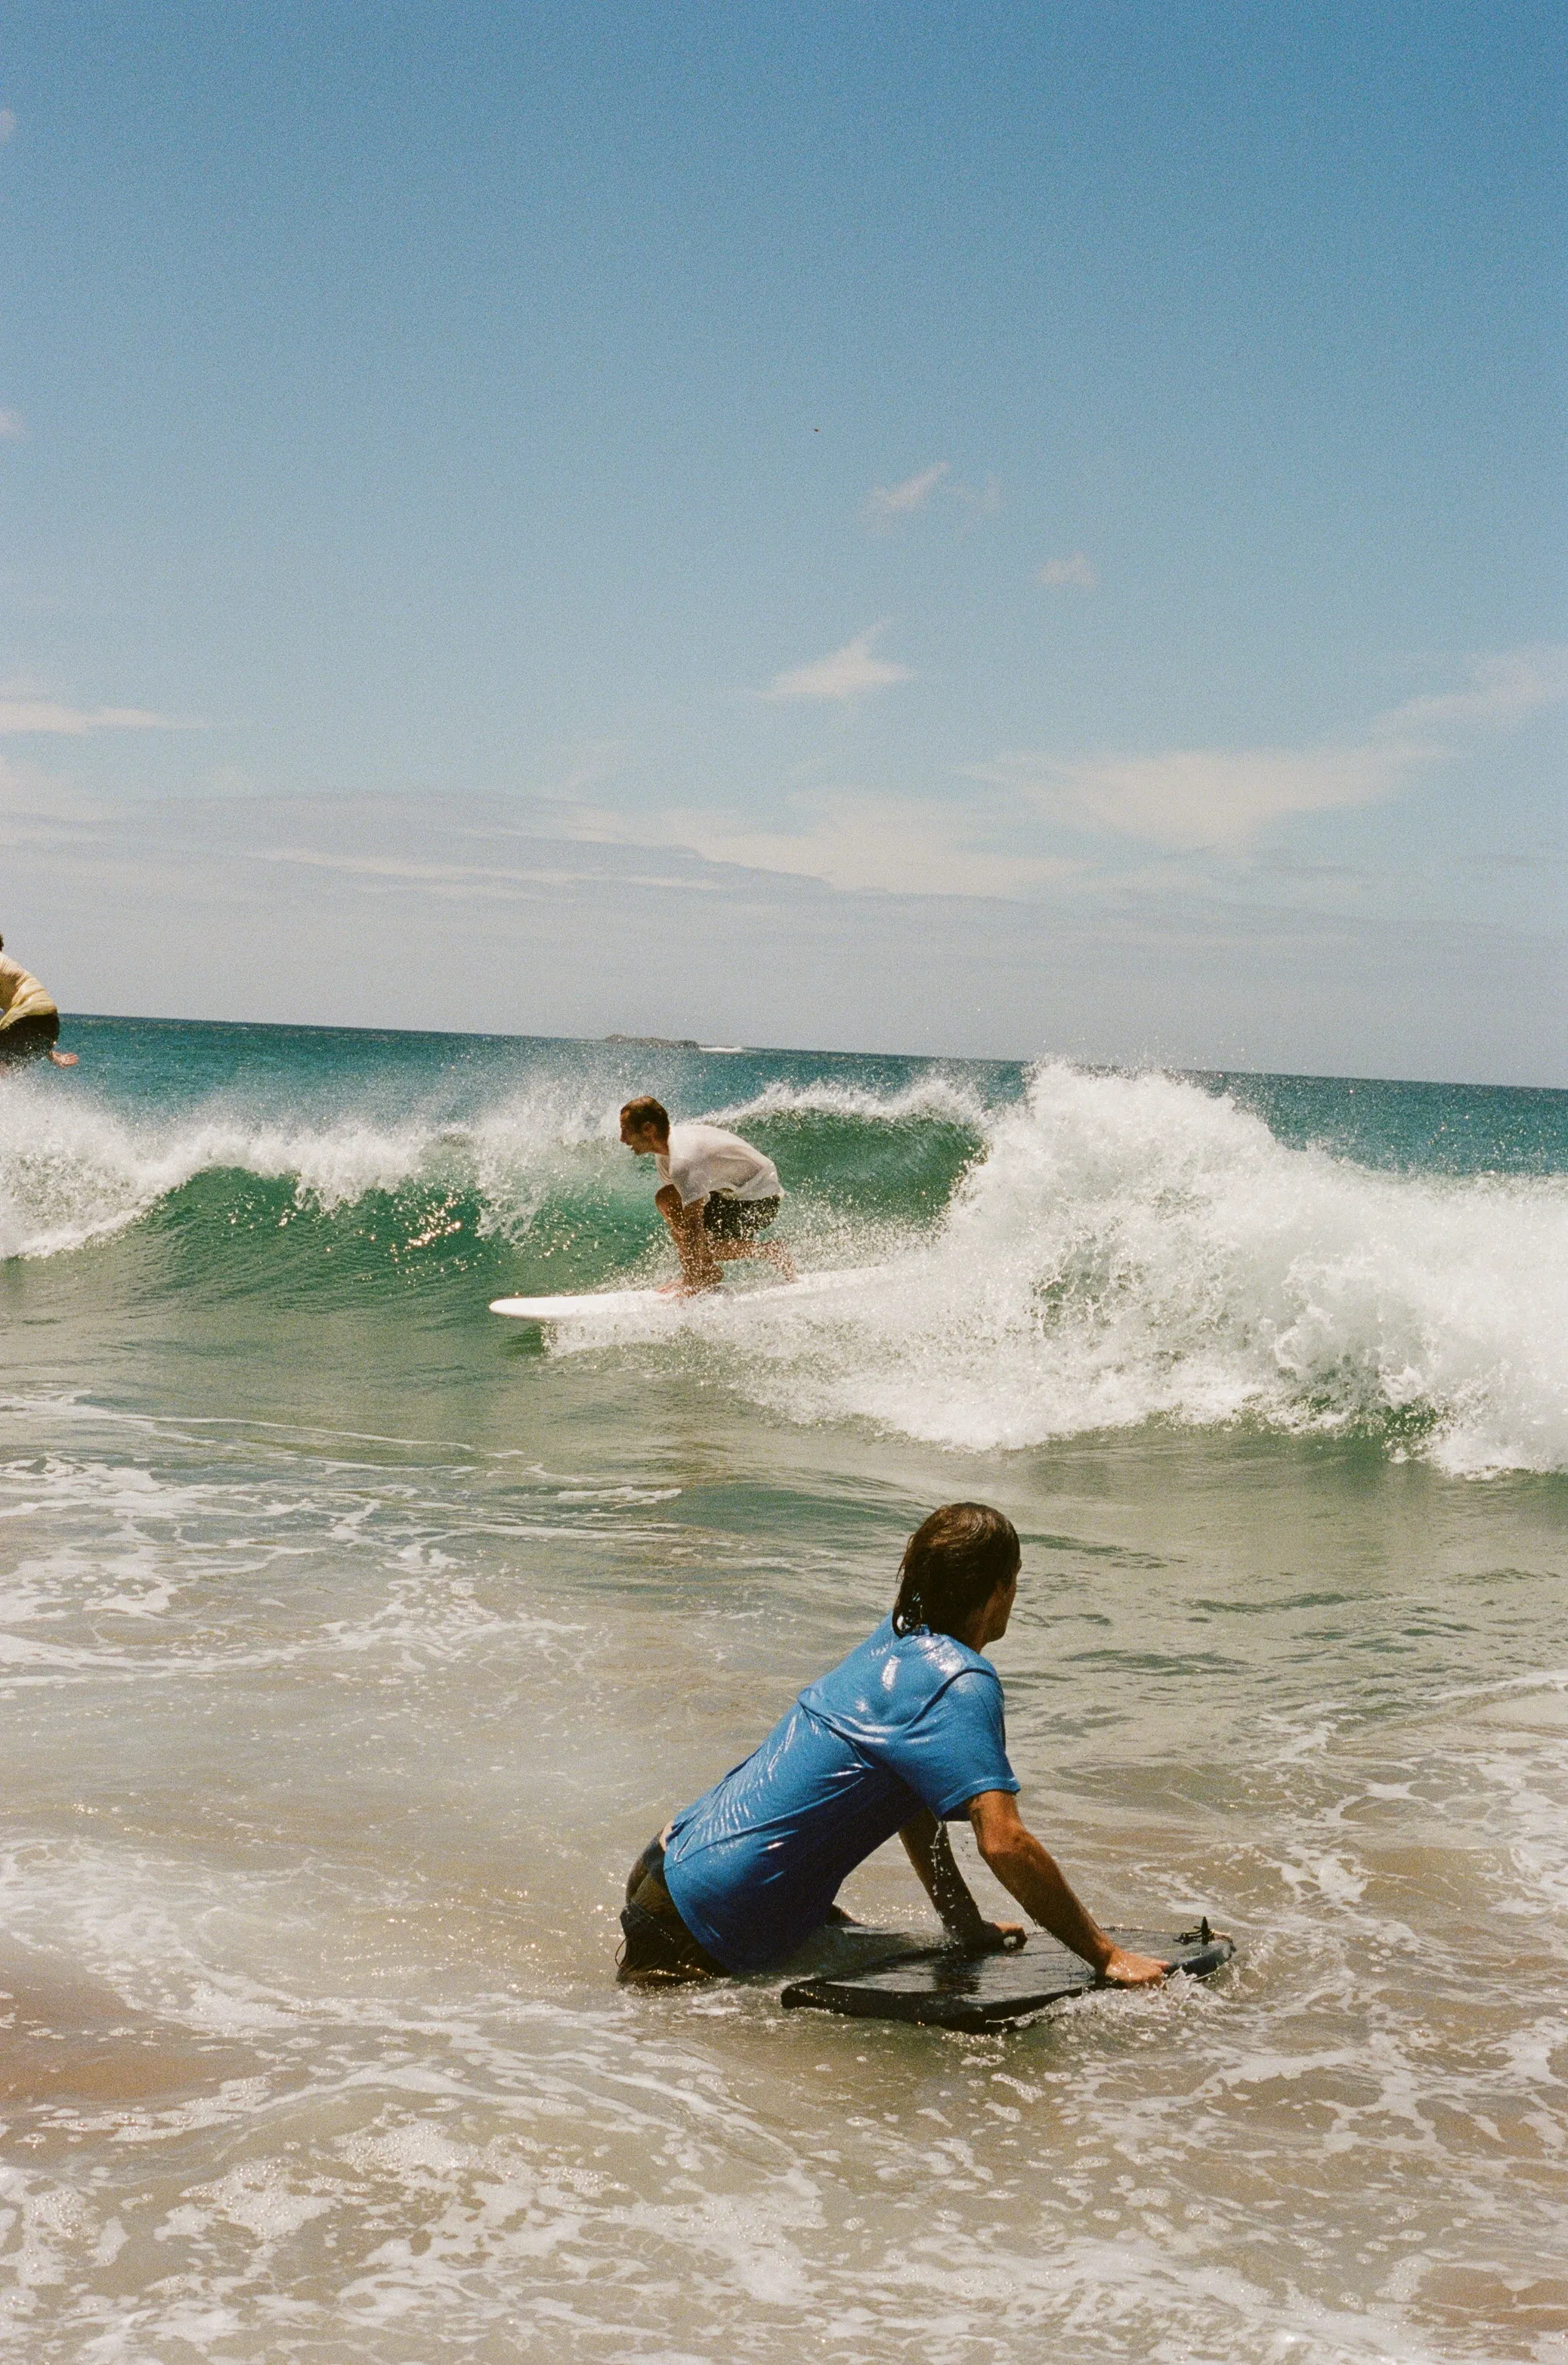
[612,1307]
[597,1301]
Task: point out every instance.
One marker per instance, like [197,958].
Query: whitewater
[1098,1251]
[352,1642]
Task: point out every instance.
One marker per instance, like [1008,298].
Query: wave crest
[1104,1251]
[1136,1248]
[75,1171]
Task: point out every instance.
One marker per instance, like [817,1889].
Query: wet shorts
[725,1218]
[658,1945]
[35,1037]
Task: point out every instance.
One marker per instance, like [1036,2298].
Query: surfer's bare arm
[1030,1874]
[927,1847]
[688,1231]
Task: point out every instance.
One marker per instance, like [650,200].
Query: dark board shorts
[35,1039]
[658,1944]
[725,1218]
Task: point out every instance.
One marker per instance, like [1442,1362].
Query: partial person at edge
[30,1022]
[903,1735]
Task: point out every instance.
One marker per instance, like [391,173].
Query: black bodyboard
[942,1986]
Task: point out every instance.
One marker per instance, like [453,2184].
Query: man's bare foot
[64,1058]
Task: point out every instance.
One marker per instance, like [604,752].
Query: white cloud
[1503,690]
[46,714]
[458,878]
[1192,797]
[1057,573]
[885,502]
[986,502]
[849,672]
[13,426]
[859,842]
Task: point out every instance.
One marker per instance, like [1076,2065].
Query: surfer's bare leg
[769,1251]
[698,1266]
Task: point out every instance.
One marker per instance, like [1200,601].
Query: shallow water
[353,1644]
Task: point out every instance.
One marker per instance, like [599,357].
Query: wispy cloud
[1187,798]
[471,879]
[13,426]
[46,714]
[860,841]
[1057,574]
[883,503]
[1503,690]
[978,503]
[1192,797]
[848,673]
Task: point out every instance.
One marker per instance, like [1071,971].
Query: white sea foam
[74,1171]
[944,1098]
[1121,1250]
[1134,1247]
[312,1872]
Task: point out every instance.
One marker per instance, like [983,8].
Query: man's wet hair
[646,1113]
[951,1566]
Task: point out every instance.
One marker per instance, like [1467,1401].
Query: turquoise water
[354,1641]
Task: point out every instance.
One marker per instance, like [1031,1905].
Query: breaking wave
[1101,1253]
[1132,1249]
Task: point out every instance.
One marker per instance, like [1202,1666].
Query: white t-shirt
[21,996]
[704,1158]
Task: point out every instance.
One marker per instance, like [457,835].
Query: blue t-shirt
[906,1721]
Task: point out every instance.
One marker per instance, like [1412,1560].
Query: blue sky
[969,529]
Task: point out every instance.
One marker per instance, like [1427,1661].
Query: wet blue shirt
[906,1721]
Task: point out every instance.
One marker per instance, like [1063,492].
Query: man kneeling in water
[716,1193]
[901,1737]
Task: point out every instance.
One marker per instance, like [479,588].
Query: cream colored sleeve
[21,996]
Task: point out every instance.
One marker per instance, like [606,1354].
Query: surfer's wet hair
[951,1566]
[647,1114]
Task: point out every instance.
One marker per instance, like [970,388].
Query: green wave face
[577,1219]
[351,1177]
[1026,1256]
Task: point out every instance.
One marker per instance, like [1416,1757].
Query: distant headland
[657,1042]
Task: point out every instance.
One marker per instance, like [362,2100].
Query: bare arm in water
[927,1845]
[1027,1872]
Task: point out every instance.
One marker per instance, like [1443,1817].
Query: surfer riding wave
[717,1195]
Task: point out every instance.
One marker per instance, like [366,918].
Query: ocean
[356,1641]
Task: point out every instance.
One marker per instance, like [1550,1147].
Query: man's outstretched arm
[1029,1873]
[926,1845]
